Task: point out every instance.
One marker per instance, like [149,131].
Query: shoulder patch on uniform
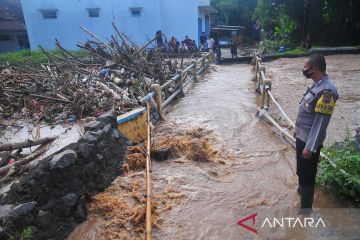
[326,103]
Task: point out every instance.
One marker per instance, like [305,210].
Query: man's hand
[306,153]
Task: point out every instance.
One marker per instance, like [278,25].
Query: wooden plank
[133,125]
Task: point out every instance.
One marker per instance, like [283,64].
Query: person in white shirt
[210,44]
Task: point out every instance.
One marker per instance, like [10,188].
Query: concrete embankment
[51,197]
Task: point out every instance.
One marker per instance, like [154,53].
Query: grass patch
[295,51]
[22,55]
[26,55]
[272,47]
[26,234]
[347,157]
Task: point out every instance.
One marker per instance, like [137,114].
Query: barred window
[4,37]
[94,12]
[136,12]
[49,13]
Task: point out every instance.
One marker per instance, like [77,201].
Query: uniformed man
[316,108]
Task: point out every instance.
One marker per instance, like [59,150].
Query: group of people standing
[206,44]
[174,46]
[210,44]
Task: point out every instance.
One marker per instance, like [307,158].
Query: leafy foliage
[33,56]
[225,8]
[329,22]
[266,12]
[26,234]
[346,157]
[285,26]
[235,12]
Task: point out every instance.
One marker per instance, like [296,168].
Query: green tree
[285,25]
[235,12]
[266,11]
[225,8]
[329,22]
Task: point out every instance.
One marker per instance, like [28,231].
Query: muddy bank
[51,197]
[288,86]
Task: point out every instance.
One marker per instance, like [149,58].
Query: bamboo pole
[25,144]
[141,49]
[51,98]
[280,108]
[23,161]
[287,134]
[148,178]
[96,37]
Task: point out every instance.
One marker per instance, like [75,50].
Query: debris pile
[136,159]
[194,144]
[114,74]
[120,210]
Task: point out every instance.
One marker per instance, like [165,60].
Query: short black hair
[318,61]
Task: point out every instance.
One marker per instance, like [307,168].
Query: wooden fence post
[265,99]
[195,70]
[181,83]
[158,98]
[267,85]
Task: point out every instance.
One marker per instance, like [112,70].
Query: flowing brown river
[241,167]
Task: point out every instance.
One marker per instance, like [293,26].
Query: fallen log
[141,49]
[57,43]
[26,159]
[120,91]
[51,98]
[62,97]
[96,37]
[106,88]
[25,144]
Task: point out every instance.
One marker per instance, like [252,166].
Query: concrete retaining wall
[51,197]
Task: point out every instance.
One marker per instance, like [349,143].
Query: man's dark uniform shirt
[316,108]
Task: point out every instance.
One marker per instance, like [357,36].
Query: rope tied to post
[266,95]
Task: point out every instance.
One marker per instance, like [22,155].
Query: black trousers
[306,168]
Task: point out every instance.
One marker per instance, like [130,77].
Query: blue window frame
[136,11]
[93,12]
[49,13]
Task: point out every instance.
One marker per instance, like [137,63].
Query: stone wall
[51,197]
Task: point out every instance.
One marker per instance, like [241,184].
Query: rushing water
[259,177]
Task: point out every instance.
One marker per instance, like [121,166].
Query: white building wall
[202,15]
[174,17]
[180,18]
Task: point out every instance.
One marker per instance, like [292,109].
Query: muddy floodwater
[246,170]
[344,70]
